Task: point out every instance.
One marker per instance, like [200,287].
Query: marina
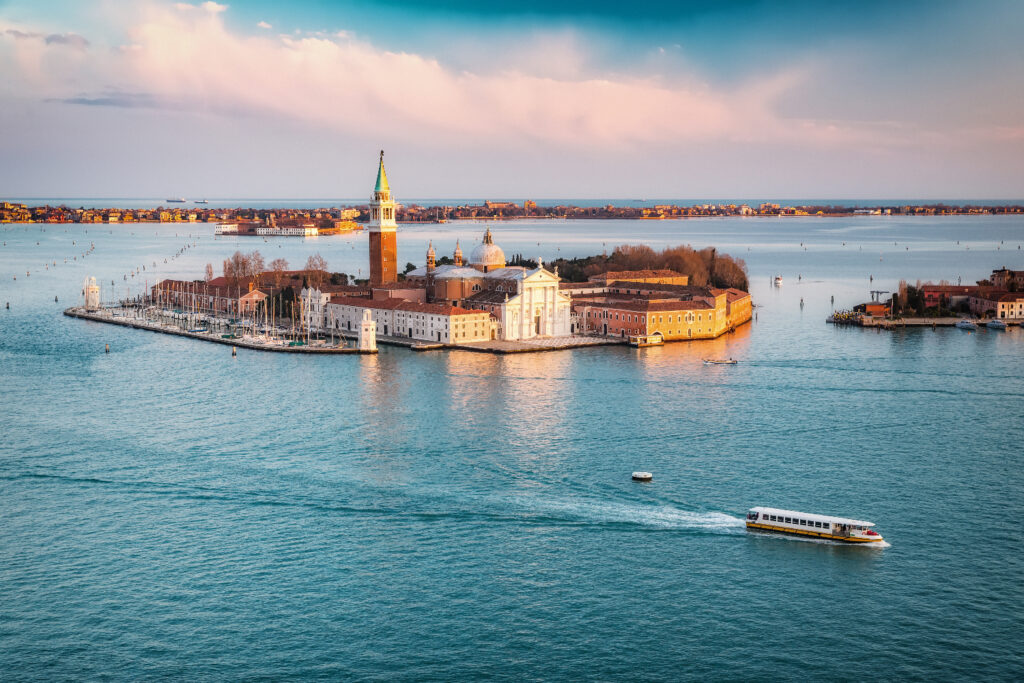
[147,319]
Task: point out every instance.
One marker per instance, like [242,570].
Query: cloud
[22,35]
[70,39]
[549,94]
[116,99]
[339,82]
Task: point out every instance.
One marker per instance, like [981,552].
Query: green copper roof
[382,177]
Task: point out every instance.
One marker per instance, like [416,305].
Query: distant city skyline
[526,99]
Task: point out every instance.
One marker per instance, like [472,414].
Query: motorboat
[778,281]
[711,361]
[966,324]
[995,324]
[812,525]
[642,476]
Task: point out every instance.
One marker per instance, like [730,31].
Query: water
[167,511]
[327,202]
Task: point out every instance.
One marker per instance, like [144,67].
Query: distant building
[1008,279]
[673,312]
[996,303]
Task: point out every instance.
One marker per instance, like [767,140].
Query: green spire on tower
[382,177]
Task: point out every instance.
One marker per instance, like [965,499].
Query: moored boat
[815,526]
[966,324]
[778,280]
[995,324]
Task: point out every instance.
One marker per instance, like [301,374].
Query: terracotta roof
[624,274]
[733,294]
[402,305]
[581,285]
[488,296]
[401,285]
[640,304]
[654,287]
[961,289]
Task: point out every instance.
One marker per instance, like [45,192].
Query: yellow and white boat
[814,526]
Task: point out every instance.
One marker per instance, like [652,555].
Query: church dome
[487,255]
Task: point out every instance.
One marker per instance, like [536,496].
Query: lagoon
[168,511]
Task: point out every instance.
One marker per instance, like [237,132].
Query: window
[788,520]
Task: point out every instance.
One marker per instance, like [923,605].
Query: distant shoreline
[11,212]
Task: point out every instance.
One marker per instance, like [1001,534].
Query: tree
[277,269]
[316,270]
[243,267]
[209,272]
[409,267]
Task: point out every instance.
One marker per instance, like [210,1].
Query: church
[525,302]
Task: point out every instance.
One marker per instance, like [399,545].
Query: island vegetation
[706,267]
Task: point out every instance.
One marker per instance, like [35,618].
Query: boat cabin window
[788,520]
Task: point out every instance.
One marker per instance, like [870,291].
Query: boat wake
[652,517]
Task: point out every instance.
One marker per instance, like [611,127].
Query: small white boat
[710,361]
[778,280]
[816,526]
[995,325]
[966,324]
[642,476]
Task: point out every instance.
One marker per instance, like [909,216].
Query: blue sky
[513,99]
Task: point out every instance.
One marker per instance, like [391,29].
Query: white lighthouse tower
[91,292]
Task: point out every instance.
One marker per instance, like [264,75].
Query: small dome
[487,255]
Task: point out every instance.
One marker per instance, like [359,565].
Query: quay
[898,323]
[108,316]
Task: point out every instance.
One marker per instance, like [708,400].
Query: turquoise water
[167,511]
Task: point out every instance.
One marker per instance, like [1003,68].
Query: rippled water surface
[167,511]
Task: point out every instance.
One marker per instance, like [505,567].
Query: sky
[512,99]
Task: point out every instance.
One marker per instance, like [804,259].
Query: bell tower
[383,238]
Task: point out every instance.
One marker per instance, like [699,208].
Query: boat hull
[755,526]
